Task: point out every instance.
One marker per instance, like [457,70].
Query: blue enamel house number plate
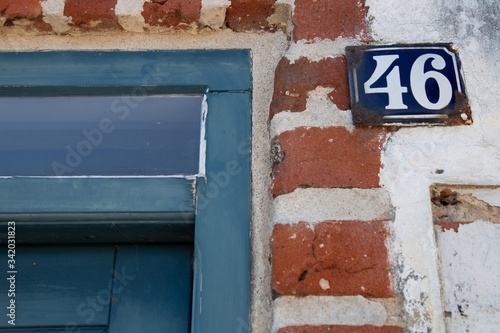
[406,85]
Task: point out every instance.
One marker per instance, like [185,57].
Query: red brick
[292,255]
[172,13]
[16,9]
[328,157]
[350,255]
[245,15]
[341,329]
[292,82]
[329,19]
[450,225]
[83,12]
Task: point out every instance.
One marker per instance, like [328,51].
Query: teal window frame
[151,208]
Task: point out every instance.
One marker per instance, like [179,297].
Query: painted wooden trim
[222,230]
[96,195]
[138,90]
[38,231]
[220,70]
[54,330]
[97,210]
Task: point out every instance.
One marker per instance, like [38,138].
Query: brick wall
[352,240]
[62,16]
[340,256]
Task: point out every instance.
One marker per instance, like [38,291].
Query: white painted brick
[320,112]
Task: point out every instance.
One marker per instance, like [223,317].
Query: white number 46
[418,79]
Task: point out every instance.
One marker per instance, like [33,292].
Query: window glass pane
[100,135]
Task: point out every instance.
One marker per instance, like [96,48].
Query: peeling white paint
[465,154]
[320,112]
[203,140]
[490,195]
[129,14]
[319,49]
[470,260]
[53,14]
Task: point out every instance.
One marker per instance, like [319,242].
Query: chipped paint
[414,158]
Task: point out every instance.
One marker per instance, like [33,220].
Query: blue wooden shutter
[222,250]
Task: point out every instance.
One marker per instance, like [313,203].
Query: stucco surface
[470,259]
[414,158]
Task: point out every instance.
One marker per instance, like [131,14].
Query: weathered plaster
[465,204]
[415,158]
[489,195]
[470,258]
